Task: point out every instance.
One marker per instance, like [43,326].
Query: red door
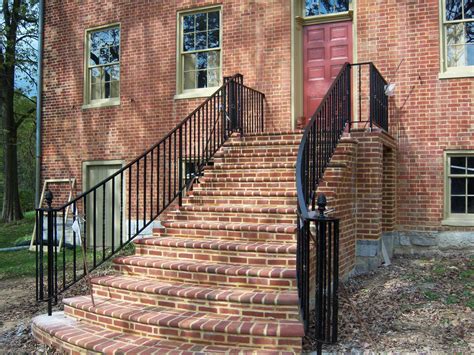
[326,48]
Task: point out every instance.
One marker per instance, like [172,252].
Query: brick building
[119,75]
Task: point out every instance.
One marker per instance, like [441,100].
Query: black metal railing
[111,214]
[318,236]
[371,100]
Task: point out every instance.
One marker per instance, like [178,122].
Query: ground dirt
[418,304]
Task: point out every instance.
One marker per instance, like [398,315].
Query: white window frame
[454,219]
[445,71]
[88,103]
[181,93]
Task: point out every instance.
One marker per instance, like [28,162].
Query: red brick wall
[428,115]
[256,43]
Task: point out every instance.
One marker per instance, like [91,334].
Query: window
[458,34]
[102,84]
[459,186]
[199,50]
[325,7]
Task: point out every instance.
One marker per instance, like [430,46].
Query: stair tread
[253,193]
[250,227]
[207,267]
[249,179]
[262,143]
[191,291]
[219,244]
[95,338]
[193,320]
[238,209]
[246,166]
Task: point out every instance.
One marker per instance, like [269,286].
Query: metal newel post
[49,200]
[322,202]
[180,167]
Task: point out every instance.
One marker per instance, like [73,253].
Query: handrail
[317,146]
[125,203]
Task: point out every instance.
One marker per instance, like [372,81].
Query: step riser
[202,278]
[232,217]
[260,150]
[218,256]
[177,334]
[267,138]
[255,173]
[197,305]
[62,346]
[227,235]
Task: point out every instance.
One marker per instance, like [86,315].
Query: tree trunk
[11,210]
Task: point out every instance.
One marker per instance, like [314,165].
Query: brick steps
[72,336]
[175,325]
[190,297]
[234,217]
[276,278]
[219,251]
[219,277]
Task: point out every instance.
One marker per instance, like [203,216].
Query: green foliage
[11,232]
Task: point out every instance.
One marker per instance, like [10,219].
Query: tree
[18,33]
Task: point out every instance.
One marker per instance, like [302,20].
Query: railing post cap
[48,196]
[322,202]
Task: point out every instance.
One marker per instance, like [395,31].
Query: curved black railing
[112,213]
[318,267]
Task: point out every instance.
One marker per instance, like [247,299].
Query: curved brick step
[258,199]
[245,183]
[71,336]
[256,166]
[189,297]
[286,156]
[284,134]
[220,251]
[256,150]
[244,193]
[206,273]
[275,173]
[283,233]
[268,142]
[228,217]
[165,323]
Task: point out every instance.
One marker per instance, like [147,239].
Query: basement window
[457,33]
[459,188]
[102,77]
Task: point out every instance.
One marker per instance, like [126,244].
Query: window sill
[458,222]
[457,74]
[101,103]
[193,94]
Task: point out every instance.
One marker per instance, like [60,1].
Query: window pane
[455,33]
[456,57]
[201,40]
[188,23]
[95,75]
[458,204]
[189,62]
[104,46]
[458,186]
[468,8]
[470,165]
[213,20]
[213,59]
[112,73]
[470,54]
[213,39]
[323,7]
[202,61]
[201,22]
[95,92]
[458,165]
[190,80]
[188,42]
[202,79]
[470,32]
[470,186]
[453,10]
[213,78]
[114,89]
[341,5]
[470,205]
